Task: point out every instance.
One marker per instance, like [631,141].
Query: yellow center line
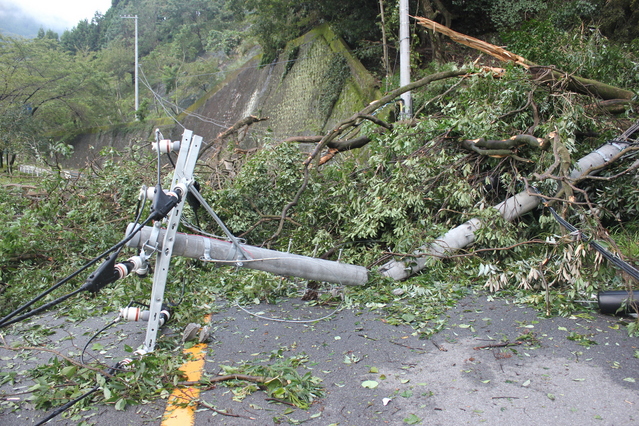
[180,407]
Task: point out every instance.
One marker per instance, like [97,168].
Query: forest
[482,130]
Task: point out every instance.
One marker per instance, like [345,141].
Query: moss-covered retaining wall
[314,83]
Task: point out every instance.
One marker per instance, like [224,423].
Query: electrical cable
[615,260]
[71,403]
[111,324]
[68,405]
[612,258]
[290,321]
[5,321]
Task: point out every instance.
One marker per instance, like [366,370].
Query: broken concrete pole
[510,209]
[275,262]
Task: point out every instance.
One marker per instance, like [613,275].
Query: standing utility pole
[404,59]
[137,103]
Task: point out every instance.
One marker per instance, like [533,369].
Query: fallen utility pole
[276,262]
[165,241]
[514,207]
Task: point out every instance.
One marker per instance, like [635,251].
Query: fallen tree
[544,74]
[365,114]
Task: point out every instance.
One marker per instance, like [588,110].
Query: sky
[59,14]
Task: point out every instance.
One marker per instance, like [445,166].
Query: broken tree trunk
[510,209]
[503,148]
[373,106]
[546,75]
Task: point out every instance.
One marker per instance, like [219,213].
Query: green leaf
[120,405]
[370,384]
[69,371]
[412,419]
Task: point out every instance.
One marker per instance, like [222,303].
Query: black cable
[71,403]
[615,260]
[168,154]
[140,207]
[111,324]
[41,308]
[67,406]
[5,321]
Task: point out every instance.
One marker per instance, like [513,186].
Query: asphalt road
[494,363]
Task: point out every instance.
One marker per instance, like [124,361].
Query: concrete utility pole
[165,242]
[275,262]
[404,59]
[137,103]
[510,209]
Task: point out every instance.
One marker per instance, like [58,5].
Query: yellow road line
[177,412]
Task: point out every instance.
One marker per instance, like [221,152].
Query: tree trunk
[544,74]
[503,148]
[387,68]
[586,86]
[510,209]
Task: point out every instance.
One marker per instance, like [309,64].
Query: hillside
[515,175]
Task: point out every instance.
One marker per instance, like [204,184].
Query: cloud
[14,21]
[57,15]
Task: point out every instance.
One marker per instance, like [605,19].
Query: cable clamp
[206,257]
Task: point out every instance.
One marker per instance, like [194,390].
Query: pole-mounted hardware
[170,203]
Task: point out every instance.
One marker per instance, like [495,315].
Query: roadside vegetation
[408,186]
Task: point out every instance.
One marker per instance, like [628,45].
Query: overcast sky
[60,14]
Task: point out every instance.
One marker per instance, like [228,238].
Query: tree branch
[246,121]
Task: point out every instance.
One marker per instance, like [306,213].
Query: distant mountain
[14,22]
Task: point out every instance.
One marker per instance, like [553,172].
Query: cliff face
[315,83]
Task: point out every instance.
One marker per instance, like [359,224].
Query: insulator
[166,146]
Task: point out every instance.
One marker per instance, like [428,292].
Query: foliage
[585,53]
[282,379]
[86,36]
[402,191]
[275,22]
[260,191]
[59,381]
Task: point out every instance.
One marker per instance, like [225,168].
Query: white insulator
[180,189]
[134,314]
[166,146]
[140,265]
[122,270]
[150,193]
[137,314]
